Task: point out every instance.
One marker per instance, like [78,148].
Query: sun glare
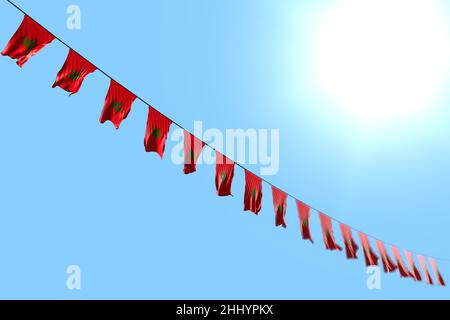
[382,60]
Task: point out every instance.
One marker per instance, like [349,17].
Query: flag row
[31,37]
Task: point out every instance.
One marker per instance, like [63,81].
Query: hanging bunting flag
[439,278]
[31,37]
[327,231]
[415,274]
[118,104]
[280,206]
[351,248]
[388,265]
[74,71]
[303,215]
[158,126]
[253,193]
[192,149]
[224,175]
[370,257]
[404,272]
[27,41]
[423,264]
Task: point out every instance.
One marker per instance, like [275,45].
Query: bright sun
[382,60]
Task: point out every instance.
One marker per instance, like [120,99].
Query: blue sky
[74,192]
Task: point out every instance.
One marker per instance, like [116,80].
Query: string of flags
[31,37]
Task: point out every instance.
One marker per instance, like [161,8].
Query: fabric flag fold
[74,71]
[224,175]
[437,273]
[370,257]
[253,193]
[327,231]
[192,149]
[304,217]
[28,40]
[415,274]
[158,126]
[426,273]
[388,265]
[118,104]
[402,269]
[280,206]
[351,248]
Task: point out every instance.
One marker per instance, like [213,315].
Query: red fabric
[437,273]
[327,232]
[253,193]
[402,269]
[370,257]
[158,127]
[423,264]
[303,215]
[27,41]
[224,175]
[351,248]
[118,104]
[388,265]
[73,72]
[192,149]
[415,274]
[280,205]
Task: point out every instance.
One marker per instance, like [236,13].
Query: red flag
[351,248]
[388,265]
[423,264]
[303,216]
[253,193]
[415,272]
[117,106]
[327,231]
[28,40]
[370,257]
[224,175]
[74,71]
[158,127]
[438,275]
[192,149]
[404,272]
[280,206]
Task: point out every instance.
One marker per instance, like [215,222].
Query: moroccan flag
[350,245]
[370,257]
[118,103]
[253,193]
[28,40]
[415,274]
[423,264]
[158,127]
[327,231]
[402,269]
[388,265]
[224,175]
[280,206]
[73,72]
[438,275]
[192,149]
[303,216]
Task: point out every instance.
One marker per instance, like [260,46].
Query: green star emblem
[156,133]
[117,106]
[74,75]
[30,44]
